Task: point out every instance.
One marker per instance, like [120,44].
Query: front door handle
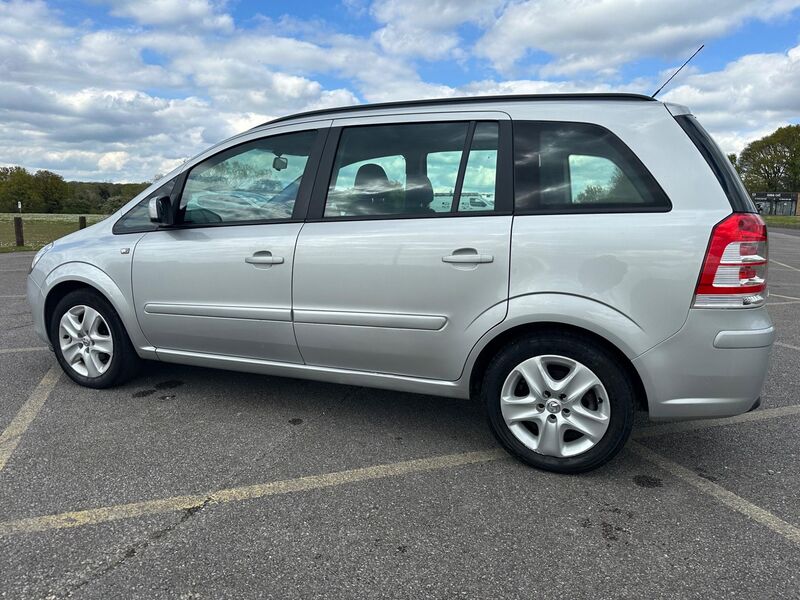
[264,258]
[468,256]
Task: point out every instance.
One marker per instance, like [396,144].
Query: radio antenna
[696,52]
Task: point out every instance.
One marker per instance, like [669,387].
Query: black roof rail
[461,100]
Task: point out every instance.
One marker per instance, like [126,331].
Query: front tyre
[559,402]
[90,342]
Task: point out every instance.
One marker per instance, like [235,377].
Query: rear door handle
[264,258]
[468,256]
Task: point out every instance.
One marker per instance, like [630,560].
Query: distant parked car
[605,257]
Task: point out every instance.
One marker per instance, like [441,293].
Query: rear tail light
[734,271]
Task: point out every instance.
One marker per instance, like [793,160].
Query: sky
[123,90]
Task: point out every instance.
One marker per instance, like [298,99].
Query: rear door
[403,262]
[220,281]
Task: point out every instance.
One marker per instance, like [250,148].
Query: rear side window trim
[719,164]
[654,189]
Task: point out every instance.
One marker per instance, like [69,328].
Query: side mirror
[160,210]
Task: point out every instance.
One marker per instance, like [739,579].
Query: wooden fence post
[81,222]
[18,231]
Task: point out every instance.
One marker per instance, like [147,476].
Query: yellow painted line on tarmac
[10,438]
[686,426]
[93,516]
[29,349]
[248,492]
[719,493]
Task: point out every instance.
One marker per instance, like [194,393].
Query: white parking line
[784,297]
[784,265]
[782,345]
[12,296]
[685,426]
[10,438]
[29,349]
[726,497]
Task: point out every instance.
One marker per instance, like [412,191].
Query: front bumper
[713,367]
[36,302]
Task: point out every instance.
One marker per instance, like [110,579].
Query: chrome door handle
[264,258]
[468,258]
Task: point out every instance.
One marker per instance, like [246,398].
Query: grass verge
[39,229]
[781,221]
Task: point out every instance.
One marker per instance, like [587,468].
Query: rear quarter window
[579,167]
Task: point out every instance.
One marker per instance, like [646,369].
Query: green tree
[735,162]
[772,163]
[592,193]
[51,189]
[18,185]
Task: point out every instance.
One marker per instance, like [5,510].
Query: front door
[220,282]
[404,262]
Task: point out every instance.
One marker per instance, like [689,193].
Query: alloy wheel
[555,406]
[85,341]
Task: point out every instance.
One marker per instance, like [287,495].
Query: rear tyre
[559,402]
[90,341]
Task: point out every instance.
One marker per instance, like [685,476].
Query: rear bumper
[713,367]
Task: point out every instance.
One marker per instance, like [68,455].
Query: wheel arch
[534,328]
[74,276]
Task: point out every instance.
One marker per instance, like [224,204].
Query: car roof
[359,108]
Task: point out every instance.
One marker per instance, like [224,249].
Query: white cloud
[113,161]
[747,99]
[426,28]
[85,102]
[585,36]
[193,13]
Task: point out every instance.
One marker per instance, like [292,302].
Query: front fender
[100,280]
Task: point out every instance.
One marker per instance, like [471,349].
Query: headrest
[371,177]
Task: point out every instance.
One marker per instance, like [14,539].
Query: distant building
[777,203]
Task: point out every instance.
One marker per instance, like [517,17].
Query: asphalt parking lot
[190,483]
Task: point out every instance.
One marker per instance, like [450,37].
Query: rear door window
[414,169]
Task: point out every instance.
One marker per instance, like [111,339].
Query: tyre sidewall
[613,376]
[116,370]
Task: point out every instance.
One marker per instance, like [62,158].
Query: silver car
[564,259]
